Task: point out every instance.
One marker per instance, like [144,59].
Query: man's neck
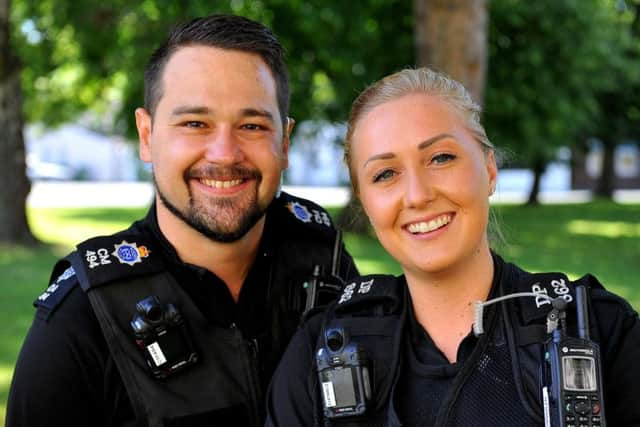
[231,262]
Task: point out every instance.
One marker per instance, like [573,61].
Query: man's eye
[384,175]
[252,126]
[442,158]
[193,124]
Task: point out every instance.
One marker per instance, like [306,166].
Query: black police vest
[501,381]
[223,387]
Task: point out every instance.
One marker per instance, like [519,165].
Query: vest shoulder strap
[105,259]
[63,280]
[377,292]
[371,313]
[305,216]
[535,310]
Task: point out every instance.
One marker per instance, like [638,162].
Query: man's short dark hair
[224,32]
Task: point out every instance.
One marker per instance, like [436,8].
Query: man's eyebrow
[255,112]
[190,109]
[424,144]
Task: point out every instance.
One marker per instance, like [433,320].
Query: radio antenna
[582,309]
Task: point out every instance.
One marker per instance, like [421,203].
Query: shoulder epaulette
[369,291]
[104,259]
[550,284]
[63,280]
[305,213]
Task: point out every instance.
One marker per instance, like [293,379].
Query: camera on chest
[162,336]
[343,372]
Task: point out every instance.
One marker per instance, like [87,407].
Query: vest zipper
[250,348]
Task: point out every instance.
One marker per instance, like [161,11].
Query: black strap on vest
[382,297]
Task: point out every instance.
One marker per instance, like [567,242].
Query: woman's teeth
[427,226]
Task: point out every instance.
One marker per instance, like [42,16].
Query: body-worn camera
[344,375]
[162,336]
[574,396]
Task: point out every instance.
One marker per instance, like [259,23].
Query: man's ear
[143,124]
[286,141]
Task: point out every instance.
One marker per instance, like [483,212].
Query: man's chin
[225,225]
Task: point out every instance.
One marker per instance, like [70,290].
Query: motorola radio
[572,373]
[322,289]
[574,396]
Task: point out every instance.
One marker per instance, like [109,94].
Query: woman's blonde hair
[410,81]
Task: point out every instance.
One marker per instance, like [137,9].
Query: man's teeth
[425,227]
[220,184]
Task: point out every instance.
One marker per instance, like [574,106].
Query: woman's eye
[384,175]
[442,158]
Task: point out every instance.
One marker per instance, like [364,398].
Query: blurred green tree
[549,60]
[618,99]
[90,55]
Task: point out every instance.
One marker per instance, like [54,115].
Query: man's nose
[222,147]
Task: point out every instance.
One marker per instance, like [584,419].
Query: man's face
[216,141]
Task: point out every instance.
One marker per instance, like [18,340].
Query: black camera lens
[335,340]
[150,308]
[154,313]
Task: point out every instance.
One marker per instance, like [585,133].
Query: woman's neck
[443,301]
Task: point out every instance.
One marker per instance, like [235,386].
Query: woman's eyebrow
[428,142]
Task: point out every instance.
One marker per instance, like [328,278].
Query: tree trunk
[451,36]
[605,185]
[538,169]
[15,185]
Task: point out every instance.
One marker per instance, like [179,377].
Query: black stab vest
[499,383]
[223,387]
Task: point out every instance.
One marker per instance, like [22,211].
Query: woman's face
[423,181]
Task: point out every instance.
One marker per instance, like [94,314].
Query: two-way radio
[322,289]
[572,386]
[574,396]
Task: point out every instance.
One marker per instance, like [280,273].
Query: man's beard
[220,219]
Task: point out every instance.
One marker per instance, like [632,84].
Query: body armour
[223,386]
[500,383]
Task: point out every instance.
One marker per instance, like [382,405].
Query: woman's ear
[492,171]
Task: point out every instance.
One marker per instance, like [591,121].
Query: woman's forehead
[403,116]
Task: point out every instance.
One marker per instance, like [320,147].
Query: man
[181,319]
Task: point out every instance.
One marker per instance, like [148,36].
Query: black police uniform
[68,373]
[496,378]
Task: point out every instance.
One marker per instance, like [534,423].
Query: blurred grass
[598,237]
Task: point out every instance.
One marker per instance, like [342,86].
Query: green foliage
[90,55]
[548,60]
[618,99]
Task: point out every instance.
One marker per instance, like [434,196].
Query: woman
[400,351]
